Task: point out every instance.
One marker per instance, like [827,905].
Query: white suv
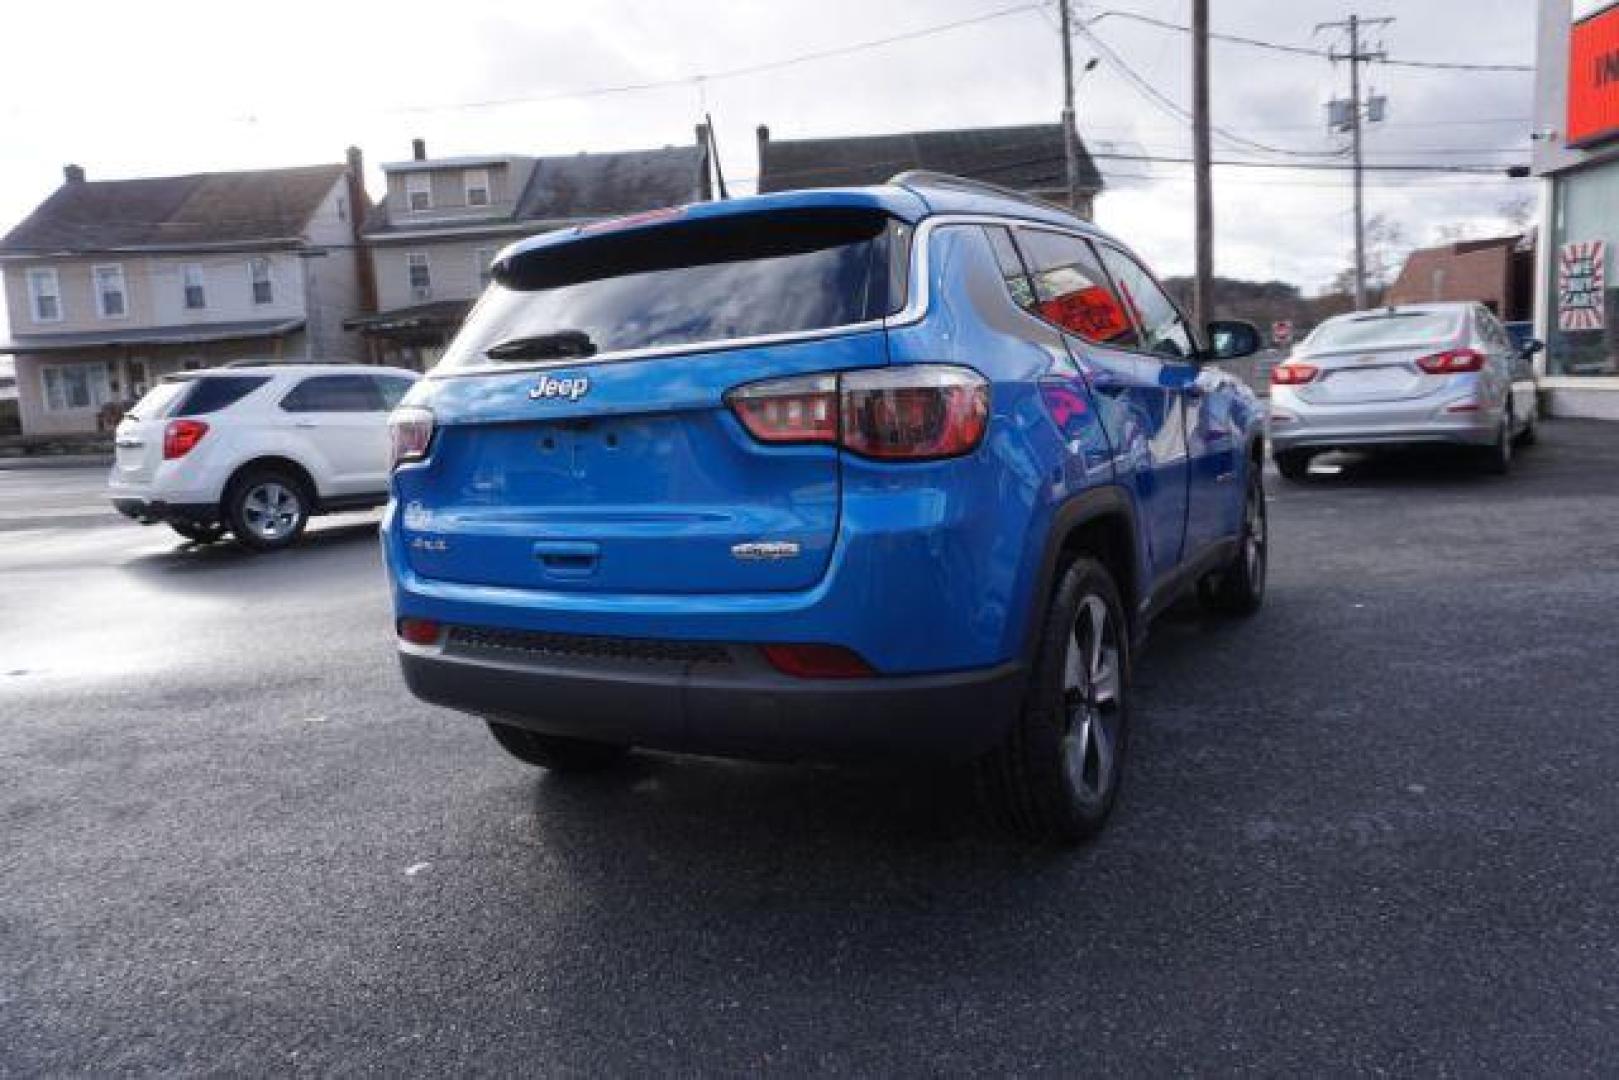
[257,448]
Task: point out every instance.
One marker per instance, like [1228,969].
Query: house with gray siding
[112,284]
[442,221]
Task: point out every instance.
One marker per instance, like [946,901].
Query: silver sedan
[1400,376]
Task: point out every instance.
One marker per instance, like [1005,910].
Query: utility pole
[1354,25]
[1203,283]
[1070,133]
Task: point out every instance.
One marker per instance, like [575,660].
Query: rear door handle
[567,558]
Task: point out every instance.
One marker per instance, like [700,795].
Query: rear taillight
[1291,374]
[817,661]
[797,410]
[180,436]
[410,430]
[1452,362]
[911,412]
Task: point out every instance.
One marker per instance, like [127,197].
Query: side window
[334,393]
[1071,291]
[1162,327]
[1017,279]
[392,388]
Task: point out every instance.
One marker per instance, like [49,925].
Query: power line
[1165,104]
[728,73]
[1305,50]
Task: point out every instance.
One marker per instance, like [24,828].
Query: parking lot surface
[1374,828]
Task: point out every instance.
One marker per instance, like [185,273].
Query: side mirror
[1530,348]
[1232,339]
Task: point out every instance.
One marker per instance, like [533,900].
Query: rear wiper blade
[559,345]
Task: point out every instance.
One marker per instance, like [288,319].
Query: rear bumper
[1294,426]
[735,706]
[147,511]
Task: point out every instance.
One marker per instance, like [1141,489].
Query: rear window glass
[217,392]
[334,393]
[1400,328]
[156,402]
[687,283]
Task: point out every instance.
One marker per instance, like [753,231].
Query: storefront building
[1577,157]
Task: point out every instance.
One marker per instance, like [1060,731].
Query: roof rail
[921,178]
[284,361]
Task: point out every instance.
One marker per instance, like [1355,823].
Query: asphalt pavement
[1374,828]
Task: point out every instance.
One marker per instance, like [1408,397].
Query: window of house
[420,273]
[196,295]
[110,300]
[1072,291]
[484,259]
[477,187]
[419,192]
[1163,330]
[75,386]
[259,270]
[45,294]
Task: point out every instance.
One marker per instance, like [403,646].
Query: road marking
[416,868]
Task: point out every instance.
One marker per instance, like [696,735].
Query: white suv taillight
[410,430]
[912,412]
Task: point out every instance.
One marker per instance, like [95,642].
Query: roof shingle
[1025,158]
[204,208]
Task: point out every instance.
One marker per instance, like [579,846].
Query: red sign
[1281,332]
[1593,80]
[1091,312]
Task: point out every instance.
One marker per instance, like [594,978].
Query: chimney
[418,149]
[73,173]
[359,207]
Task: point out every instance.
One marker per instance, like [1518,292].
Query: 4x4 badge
[550,387]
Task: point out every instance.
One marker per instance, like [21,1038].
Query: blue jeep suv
[856,473]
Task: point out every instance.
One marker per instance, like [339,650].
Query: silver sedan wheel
[1092,685]
[271,510]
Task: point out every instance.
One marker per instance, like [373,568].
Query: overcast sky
[170,87]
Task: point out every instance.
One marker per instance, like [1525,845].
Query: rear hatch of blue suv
[666,489]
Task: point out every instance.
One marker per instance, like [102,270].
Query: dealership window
[263,291]
[1582,329]
[420,273]
[75,386]
[196,295]
[110,300]
[477,187]
[45,294]
[419,192]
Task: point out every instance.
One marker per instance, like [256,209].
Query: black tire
[1496,459]
[1294,465]
[555,752]
[1055,778]
[199,532]
[1239,589]
[267,509]
[1528,436]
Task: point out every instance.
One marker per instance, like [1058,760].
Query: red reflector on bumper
[419,631]
[817,661]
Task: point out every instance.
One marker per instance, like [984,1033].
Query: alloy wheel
[271,510]
[1092,687]
[1255,536]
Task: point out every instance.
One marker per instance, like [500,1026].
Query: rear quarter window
[334,393]
[218,392]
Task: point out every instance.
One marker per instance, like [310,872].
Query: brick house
[112,284]
[443,220]
[1498,272]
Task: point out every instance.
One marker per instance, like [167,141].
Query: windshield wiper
[559,345]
